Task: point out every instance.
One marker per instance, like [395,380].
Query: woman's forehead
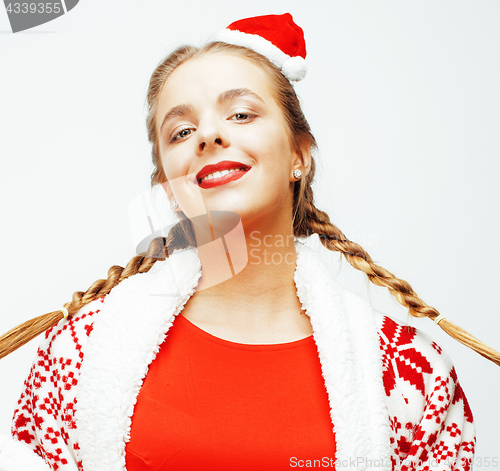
[210,75]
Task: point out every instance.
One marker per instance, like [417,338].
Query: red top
[208,403]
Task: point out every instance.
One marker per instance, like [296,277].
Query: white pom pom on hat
[276,37]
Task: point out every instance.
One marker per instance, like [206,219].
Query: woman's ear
[302,157]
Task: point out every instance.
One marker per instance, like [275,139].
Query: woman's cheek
[173,164]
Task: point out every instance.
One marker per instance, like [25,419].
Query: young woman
[229,345]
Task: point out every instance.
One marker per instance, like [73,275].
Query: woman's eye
[242,117]
[181,134]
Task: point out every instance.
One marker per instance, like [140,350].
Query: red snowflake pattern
[46,409]
[400,358]
[438,436]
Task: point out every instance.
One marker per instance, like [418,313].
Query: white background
[403,98]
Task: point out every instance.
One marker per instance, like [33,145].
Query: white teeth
[219,174]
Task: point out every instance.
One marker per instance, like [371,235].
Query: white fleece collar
[133,323]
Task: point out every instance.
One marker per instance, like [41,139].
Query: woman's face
[219,110]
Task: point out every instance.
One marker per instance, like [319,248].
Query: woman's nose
[217,141]
[211,137]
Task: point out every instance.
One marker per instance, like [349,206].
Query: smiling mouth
[221,177]
[221,173]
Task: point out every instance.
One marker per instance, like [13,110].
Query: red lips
[218,167]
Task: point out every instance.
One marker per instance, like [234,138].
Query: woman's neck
[257,301]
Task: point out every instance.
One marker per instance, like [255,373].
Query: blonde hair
[307,219]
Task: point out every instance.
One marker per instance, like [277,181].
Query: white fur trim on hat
[293,68]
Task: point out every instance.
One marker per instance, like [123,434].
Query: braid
[180,236]
[333,239]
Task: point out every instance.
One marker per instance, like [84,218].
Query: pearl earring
[175,205]
[297,173]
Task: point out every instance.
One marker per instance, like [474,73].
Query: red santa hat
[276,37]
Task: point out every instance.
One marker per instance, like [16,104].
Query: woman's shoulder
[417,369]
[411,359]
[406,345]
[427,407]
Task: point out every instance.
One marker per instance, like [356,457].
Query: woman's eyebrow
[179,110]
[182,110]
[236,93]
